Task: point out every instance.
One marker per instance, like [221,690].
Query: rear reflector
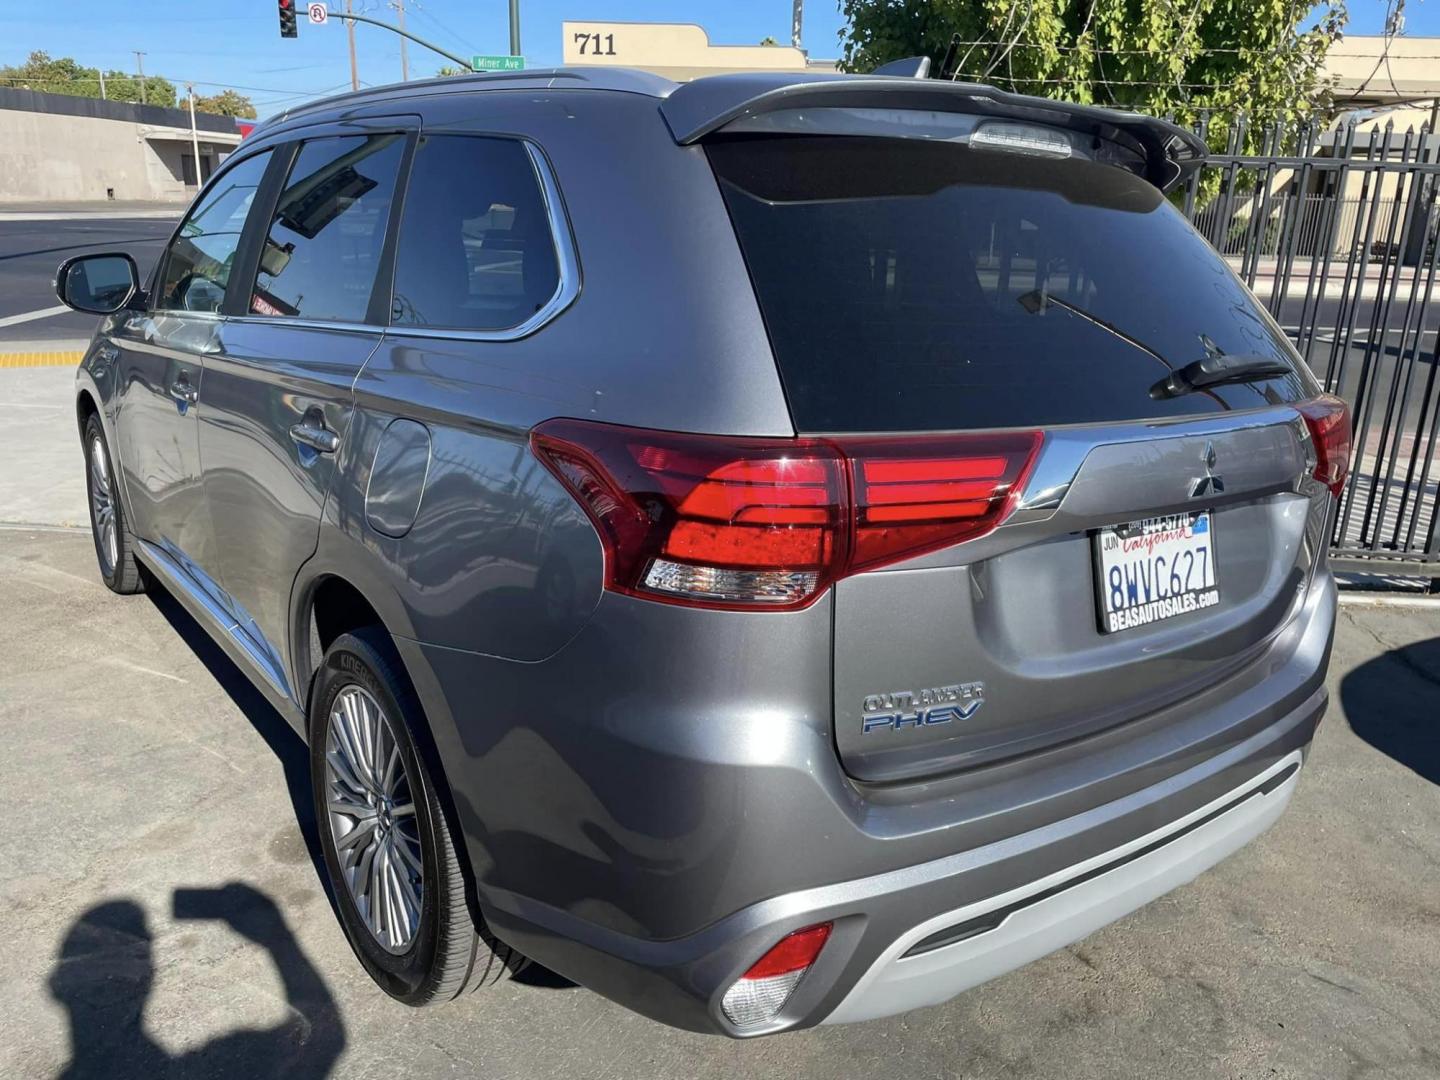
[1328,418]
[746,523]
[762,991]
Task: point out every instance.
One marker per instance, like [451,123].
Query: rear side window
[198,263]
[910,285]
[323,247]
[475,249]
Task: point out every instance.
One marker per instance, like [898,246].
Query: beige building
[679,51]
[61,149]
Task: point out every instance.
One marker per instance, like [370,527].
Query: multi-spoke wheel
[372,818]
[114,546]
[396,871]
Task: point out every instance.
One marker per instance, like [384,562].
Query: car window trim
[407,124]
[247,253]
[567,260]
[157,272]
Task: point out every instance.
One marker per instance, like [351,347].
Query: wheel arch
[331,604]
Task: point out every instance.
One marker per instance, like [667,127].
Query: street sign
[319,14]
[497,63]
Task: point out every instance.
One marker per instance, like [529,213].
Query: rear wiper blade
[1035,301]
[1217,370]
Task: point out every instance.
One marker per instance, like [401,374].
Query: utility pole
[350,33]
[797,18]
[399,6]
[103,95]
[514,27]
[194,138]
[140,67]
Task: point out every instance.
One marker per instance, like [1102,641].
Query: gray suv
[775,550]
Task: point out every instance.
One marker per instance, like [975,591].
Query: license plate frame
[1154,602]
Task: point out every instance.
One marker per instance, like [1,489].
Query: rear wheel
[388,849]
[114,545]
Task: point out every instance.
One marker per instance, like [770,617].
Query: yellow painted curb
[67,358]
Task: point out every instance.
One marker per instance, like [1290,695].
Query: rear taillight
[762,991]
[770,523]
[1328,418]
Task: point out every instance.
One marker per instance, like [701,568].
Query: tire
[109,527]
[421,945]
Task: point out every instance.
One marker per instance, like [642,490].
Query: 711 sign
[319,14]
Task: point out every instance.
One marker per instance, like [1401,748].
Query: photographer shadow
[106,969]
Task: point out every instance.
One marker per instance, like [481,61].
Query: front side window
[197,265]
[324,242]
[475,249]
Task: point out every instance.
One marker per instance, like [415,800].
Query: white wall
[60,159]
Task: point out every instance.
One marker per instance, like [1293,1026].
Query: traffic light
[287,18]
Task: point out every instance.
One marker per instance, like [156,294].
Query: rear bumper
[653,854]
[959,949]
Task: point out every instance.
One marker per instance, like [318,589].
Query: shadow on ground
[1393,703]
[105,971]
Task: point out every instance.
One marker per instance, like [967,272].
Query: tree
[1261,57]
[226,103]
[449,71]
[68,76]
[768,40]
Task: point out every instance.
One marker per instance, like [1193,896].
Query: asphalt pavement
[33,245]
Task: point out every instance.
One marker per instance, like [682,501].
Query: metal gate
[1335,231]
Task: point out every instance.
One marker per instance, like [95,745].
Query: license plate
[1155,569]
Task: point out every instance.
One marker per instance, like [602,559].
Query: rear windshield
[913,285]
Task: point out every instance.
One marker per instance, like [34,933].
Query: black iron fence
[1334,229]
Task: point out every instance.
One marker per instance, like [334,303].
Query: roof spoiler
[705,106]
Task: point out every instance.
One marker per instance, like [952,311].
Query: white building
[62,149]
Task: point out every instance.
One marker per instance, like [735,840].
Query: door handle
[316,436]
[183,392]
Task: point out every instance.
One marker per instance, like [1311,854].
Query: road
[31,250]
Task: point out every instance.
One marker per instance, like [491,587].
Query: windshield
[920,285]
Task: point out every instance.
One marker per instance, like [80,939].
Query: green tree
[1260,57]
[450,71]
[768,40]
[67,76]
[226,103]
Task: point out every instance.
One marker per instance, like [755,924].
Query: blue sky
[218,43]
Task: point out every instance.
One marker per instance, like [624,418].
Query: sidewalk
[43,478]
[102,208]
[1268,268]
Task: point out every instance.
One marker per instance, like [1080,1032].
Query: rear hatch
[1161,533]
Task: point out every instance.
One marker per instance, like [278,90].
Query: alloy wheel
[372,818]
[102,504]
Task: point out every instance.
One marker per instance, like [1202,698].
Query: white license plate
[1155,569]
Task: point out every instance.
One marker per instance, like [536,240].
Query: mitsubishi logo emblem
[1209,484]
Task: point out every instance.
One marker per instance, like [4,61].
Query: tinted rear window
[911,285]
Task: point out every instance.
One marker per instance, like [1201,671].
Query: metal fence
[1334,229]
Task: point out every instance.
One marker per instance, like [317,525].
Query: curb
[42,358]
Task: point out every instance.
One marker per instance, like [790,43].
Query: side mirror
[98,284]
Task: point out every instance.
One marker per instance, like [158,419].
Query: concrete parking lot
[164,914]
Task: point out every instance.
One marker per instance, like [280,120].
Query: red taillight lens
[919,494]
[1328,418]
[746,522]
[691,518]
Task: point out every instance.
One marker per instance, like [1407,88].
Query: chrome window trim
[566,289]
